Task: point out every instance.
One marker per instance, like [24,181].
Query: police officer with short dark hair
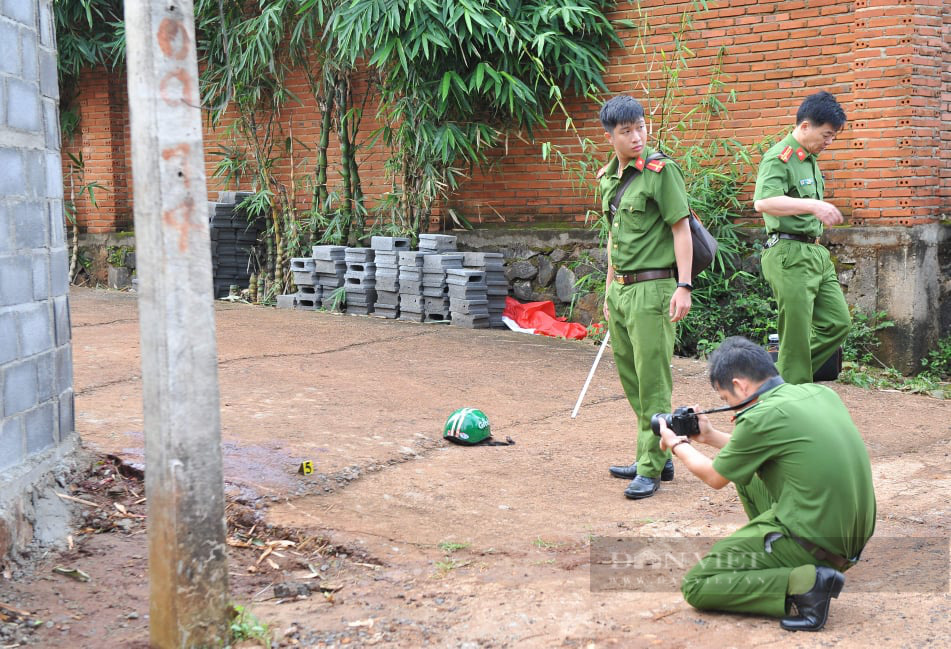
[803,475]
[813,316]
[648,278]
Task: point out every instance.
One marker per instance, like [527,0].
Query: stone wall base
[904,271]
[104,259]
[547,265]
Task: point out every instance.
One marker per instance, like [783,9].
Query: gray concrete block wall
[36,393]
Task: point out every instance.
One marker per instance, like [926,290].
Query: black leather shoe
[813,607]
[642,487]
[630,472]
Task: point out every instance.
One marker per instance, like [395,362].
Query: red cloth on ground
[540,316]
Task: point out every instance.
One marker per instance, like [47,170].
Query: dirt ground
[401,540]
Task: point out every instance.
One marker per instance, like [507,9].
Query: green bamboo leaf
[444,85]
[479,75]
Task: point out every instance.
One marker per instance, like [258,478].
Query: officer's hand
[706,428]
[679,304]
[828,213]
[667,437]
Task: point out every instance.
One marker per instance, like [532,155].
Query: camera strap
[769,384]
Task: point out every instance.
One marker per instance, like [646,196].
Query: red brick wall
[102,138]
[944,115]
[886,61]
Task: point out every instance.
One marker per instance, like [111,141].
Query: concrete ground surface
[422,543]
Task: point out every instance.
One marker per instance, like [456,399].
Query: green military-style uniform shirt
[802,443]
[654,201]
[788,169]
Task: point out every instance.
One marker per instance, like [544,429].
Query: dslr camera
[683,421]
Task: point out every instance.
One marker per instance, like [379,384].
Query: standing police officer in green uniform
[813,316]
[648,278]
[803,475]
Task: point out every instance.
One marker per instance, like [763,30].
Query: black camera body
[683,421]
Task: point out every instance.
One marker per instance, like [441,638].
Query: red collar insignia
[801,154]
[639,165]
[786,154]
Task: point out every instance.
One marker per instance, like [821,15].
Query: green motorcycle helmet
[467,426]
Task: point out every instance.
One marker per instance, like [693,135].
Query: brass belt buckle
[619,279]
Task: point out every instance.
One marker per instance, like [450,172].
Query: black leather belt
[642,276]
[822,554]
[798,237]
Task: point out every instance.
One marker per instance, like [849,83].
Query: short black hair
[622,109]
[821,108]
[738,357]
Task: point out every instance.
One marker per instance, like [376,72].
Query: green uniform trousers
[642,338]
[813,316]
[738,574]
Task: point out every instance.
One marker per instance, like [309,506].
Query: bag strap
[628,179]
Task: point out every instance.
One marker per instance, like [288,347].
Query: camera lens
[656,419]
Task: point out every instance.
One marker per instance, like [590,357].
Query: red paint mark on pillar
[179,151]
[180,217]
[169,32]
[183,223]
[185,85]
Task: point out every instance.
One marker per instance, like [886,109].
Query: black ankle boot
[629,472]
[812,608]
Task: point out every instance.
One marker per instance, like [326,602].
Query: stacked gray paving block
[411,286]
[497,286]
[387,257]
[431,243]
[360,280]
[330,267]
[435,289]
[468,301]
[308,296]
[233,239]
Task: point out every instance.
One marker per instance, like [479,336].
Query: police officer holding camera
[803,475]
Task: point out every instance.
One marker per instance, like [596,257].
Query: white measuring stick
[597,359]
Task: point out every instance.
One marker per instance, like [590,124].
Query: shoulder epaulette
[656,165]
[786,154]
[602,170]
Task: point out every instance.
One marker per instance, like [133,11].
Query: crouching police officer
[803,475]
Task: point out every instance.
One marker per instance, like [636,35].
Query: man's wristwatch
[686,285]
